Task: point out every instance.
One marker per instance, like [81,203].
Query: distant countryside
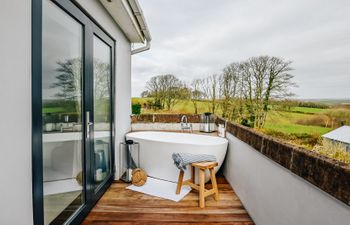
[255,93]
[300,125]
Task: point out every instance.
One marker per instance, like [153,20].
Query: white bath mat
[162,189]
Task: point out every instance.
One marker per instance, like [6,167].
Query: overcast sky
[193,39]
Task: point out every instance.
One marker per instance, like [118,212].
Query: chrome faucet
[185,125]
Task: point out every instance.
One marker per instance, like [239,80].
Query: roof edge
[138,13]
[129,16]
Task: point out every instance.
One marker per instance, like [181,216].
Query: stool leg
[193,171]
[214,184]
[201,188]
[179,182]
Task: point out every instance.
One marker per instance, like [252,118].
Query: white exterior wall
[15,113]
[275,196]
[15,98]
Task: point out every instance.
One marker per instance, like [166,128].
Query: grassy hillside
[287,122]
[307,110]
[300,125]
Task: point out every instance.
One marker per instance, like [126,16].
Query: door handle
[88,124]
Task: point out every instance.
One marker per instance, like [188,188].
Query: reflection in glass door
[73,155]
[62,73]
[102,110]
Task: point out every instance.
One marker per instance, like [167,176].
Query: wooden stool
[203,193]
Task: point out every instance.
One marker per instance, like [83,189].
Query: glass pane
[102,109]
[62,114]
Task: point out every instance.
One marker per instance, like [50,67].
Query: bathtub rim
[224,140]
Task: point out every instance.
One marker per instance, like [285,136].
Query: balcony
[262,181]
[122,206]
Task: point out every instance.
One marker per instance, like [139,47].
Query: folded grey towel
[181,160]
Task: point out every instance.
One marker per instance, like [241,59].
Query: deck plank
[120,206]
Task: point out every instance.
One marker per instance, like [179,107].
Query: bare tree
[155,90]
[228,84]
[196,93]
[68,79]
[102,90]
[246,93]
[176,93]
[145,94]
[210,89]
[102,80]
[167,90]
[265,78]
[244,90]
[68,82]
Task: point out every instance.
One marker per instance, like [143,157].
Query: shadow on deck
[122,206]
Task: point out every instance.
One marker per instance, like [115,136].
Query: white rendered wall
[123,71]
[15,113]
[273,195]
[15,98]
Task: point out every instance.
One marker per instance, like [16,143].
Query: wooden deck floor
[126,207]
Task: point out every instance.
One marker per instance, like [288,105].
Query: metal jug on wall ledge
[207,122]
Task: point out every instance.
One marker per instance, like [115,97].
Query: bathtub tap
[185,125]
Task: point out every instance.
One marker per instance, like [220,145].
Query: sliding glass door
[62,113]
[76,103]
[102,55]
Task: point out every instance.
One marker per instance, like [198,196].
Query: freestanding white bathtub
[156,149]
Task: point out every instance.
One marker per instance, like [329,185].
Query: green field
[53,110]
[286,122]
[307,110]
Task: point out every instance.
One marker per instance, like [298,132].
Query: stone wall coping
[330,175]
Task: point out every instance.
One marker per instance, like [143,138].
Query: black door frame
[91,27]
